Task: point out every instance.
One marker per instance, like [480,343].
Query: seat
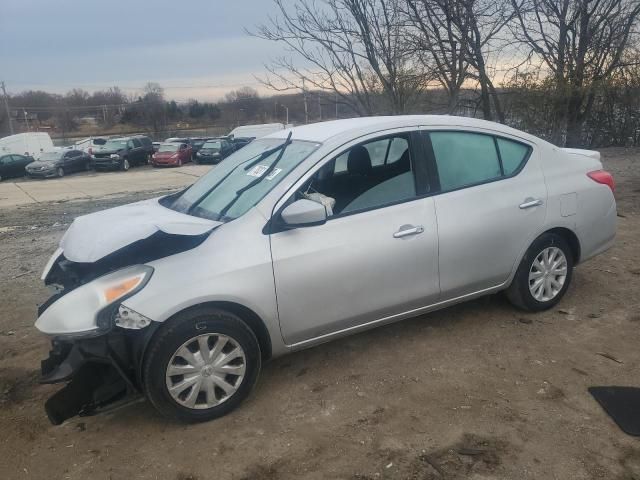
[359,162]
[359,178]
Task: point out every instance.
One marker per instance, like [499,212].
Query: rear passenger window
[513,154]
[377,151]
[464,158]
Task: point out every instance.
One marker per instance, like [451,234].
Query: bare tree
[152,108]
[353,49]
[486,20]
[460,39]
[582,43]
[439,39]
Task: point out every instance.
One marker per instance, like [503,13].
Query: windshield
[115,144]
[50,156]
[169,147]
[214,192]
[213,145]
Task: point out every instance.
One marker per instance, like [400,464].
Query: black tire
[179,330]
[125,165]
[519,293]
[60,172]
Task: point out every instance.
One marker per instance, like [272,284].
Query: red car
[171,154]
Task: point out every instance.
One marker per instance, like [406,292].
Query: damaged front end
[98,342]
[99,373]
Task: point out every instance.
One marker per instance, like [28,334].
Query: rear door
[137,153]
[491,205]
[16,165]
[6,166]
[374,258]
[20,163]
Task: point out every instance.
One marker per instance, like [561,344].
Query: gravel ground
[477,391]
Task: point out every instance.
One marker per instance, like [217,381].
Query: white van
[89,145]
[256,131]
[32,143]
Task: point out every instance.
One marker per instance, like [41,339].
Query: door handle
[407,230]
[530,202]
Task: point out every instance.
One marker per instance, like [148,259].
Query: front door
[375,257]
[491,206]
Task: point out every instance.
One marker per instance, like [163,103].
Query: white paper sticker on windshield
[257,171]
[273,174]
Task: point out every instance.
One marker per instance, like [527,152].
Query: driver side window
[370,175]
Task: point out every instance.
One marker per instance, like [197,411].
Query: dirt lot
[476,391]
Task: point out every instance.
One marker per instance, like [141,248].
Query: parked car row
[120,153]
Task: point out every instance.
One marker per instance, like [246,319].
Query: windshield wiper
[260,157]
[264,175]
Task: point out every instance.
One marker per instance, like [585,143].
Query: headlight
[121,283]
[91,308]
[115,156]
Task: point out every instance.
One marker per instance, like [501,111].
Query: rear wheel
[201,366]
[544,274]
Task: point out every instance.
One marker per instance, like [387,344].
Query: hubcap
[205,371]
[547,274]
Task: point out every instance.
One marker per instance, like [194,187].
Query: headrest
[358,161]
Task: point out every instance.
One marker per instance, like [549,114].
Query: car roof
[354,127]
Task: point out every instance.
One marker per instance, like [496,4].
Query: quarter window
[513,154]
[464,158]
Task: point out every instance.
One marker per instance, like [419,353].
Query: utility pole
[319,109]
[6,106]
[306,110]
[287,109]
[336,106]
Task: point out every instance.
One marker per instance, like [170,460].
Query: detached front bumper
[100,372]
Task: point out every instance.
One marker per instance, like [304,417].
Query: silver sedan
[307,235]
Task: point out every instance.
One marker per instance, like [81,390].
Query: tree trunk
[574,120]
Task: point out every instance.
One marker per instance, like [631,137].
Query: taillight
[604,177]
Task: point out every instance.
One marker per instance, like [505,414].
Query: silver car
[304,236]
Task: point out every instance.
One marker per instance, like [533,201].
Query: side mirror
[304,213]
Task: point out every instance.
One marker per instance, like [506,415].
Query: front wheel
[544,274]
[125,165]
[60,172]
[201,366]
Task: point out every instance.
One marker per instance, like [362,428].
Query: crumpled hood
[92,237]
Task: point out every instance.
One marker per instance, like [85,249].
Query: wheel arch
[253,321]
[566,233]
[571,238]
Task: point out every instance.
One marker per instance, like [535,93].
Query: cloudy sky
[193,48]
